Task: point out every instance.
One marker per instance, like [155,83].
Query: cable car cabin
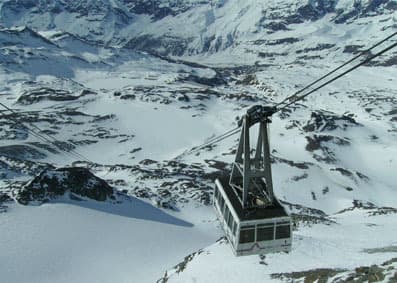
[253,231]
[253,219]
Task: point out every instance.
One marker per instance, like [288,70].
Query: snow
[336,246]
[69,242]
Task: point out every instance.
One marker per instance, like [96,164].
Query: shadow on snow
[131,207]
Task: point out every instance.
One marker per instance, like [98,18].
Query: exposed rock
[180,267]
[354,49]
[317,142]
[300,165]
[164,45]
[383,211]
[365,9]
[243,96]
[302,215]
[276,26]
[314,142]
[54,183]
[307,57]
[327,121]
[287,40]
[321,275]
[372,209]
[389,249]
[21,152]
[143,193]
[157,8]
[44,93]
[213,81]
[136,150]
[362,176]
[173,182]
[300,177]
[147,162]
[249,79]
[4,198]
[220,165]
[316,9]
[373,273]
[319,47]
[391,61]
[271,54]
[11,168]
[325,190]
[369,274]
[344,172]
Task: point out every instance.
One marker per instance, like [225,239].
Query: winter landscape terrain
[98,98]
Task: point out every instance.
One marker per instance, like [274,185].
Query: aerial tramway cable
[294,98]
[44,137]
[362,53]
[278,107]
[210,142]
[298,98]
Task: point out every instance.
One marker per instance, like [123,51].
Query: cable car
[253,219]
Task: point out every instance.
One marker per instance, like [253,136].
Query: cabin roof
[259,213]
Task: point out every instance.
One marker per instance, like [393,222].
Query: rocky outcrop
[362,8]
[21,152]
[111,22]
[373,273]
[326,121]
[180,267]
[163,45]
[76,183]
[4,198]
[309,276]
[159,9]
[172,183]
[320,146]
[40,94]
[370,208]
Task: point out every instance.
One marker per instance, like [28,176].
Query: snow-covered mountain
[208,26]
[125,86]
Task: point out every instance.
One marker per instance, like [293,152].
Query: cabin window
[247,234]
[265,232]
[283,232]
[226,214]
[221,203]
[234,228]
[230,221]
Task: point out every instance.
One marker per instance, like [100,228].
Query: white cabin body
[254,231]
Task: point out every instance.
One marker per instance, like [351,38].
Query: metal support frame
[251,177]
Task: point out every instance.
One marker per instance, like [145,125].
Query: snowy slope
[340,248]
[96,243]
[130,85]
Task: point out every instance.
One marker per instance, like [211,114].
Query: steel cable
[44,137]
[298,98]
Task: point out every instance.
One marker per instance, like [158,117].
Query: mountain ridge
[131,85]
[126,23]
